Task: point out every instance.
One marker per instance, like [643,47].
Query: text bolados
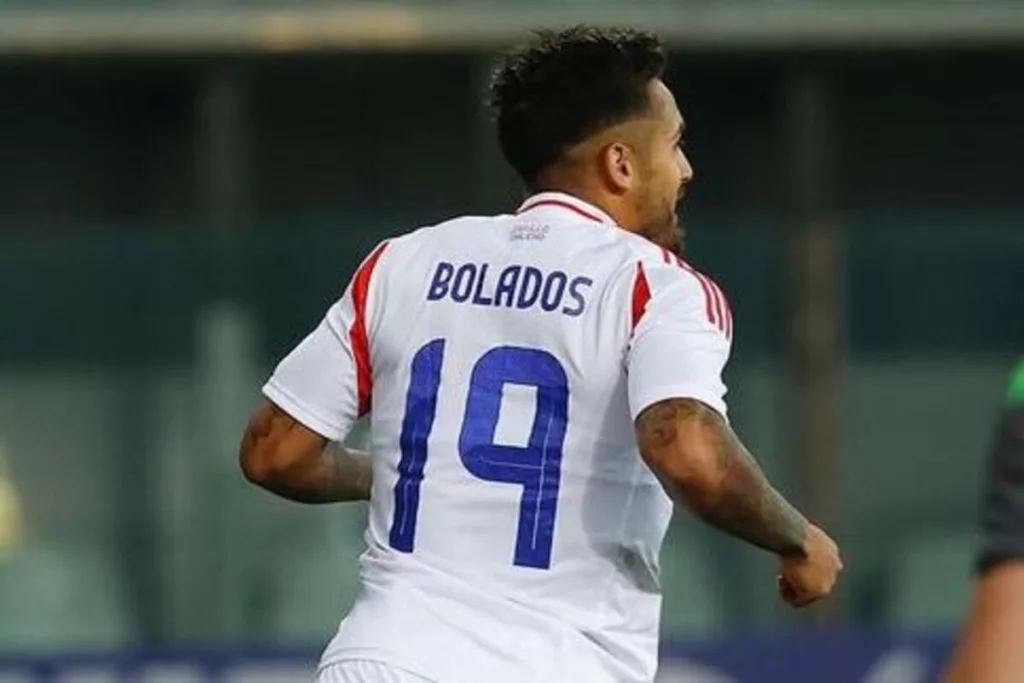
[515,286]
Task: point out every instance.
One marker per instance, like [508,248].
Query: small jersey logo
[529,232]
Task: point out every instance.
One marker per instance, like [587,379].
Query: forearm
[704,467]
[746,505]
[337,475]
[989,648]
[283,456]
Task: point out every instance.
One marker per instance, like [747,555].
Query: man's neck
[601,200]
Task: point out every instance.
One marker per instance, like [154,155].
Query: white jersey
[514,530]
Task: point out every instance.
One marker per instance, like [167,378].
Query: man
[514,364]
[990,649]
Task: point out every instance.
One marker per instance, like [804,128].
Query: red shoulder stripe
[641,295]
[726,310]
[716,306]
[357,333]
[728,313]
[720,311]
[711,310]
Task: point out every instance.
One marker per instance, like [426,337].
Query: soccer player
[542,385]
[990,648]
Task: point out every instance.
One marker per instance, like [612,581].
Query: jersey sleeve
[681,337]
[325,382]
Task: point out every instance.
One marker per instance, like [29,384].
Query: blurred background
[186,185]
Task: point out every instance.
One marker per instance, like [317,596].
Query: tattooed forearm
[337,475]
[290,460]
[705,467]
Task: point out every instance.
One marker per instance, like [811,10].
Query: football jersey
[514,529]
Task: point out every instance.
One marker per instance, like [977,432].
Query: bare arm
[294,462]
[989,649]
[703,465]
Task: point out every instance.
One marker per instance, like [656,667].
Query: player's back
[514,530]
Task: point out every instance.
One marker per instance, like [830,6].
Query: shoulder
[654,276]
[415,242]
[661,266]
[458,224]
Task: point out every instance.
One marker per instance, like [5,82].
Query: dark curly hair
[568,85]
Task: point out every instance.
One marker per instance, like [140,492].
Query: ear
[619,167]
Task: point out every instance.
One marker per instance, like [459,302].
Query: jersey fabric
[514,530]
[359,671]
[1002,517]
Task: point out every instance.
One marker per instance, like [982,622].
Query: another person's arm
[677,355]
[293,444]
[990,648]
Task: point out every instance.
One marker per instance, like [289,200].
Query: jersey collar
[560,201]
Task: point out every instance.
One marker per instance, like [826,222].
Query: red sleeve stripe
[728,313]
[641,295]
[716,306]
[711,307]
[719,313]
[357,333]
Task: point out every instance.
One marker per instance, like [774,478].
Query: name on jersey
[514,286]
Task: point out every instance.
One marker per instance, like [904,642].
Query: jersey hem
[301,412]
[992,558]
[378,657]
[650,397]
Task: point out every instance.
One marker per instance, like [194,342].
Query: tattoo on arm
[731,492]
[351,473]
[290,460]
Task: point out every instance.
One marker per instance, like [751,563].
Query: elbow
[691,480]
[258,466]
[254,469]
[275,449]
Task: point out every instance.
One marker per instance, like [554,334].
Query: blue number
[420,409]
[536,467]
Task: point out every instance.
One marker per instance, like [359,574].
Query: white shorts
[364,671]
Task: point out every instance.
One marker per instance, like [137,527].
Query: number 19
[535,467]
